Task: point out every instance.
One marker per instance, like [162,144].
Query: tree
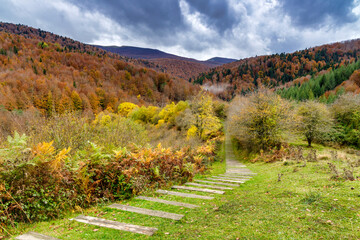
[259,120]
[205,120]
[77,102]
[315,120]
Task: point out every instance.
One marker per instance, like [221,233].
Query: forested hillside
[279,69]
[160,61]
[54,74]
[326,86]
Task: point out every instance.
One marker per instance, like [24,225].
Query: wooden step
[209,186]
[240,172]
[149,212]
[180,194]
[234,175]
[180,204]
[35,236]
[225,180]
[115,225]
[218,183]
[198,189]
[232,178]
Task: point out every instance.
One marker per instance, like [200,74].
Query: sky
[198,29]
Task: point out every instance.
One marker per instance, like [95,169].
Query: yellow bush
[103,119]
[192,132]
[171,111]
[125,108]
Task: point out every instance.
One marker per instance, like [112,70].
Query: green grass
[305,204]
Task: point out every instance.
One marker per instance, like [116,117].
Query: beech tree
[315,120]
[259,121]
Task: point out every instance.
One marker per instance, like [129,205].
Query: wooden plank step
[209,186]
[239,172]
[149,212]
[35,236]
[115,225]
[218,183]
[234,175]
[225,180]
[243,174]
[180,204]
[207,190]
[180,194]
[232,178]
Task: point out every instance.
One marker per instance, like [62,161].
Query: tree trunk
[309,140]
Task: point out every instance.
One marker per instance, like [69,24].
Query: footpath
[216,185]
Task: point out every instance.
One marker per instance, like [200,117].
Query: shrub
[259,121]
[126,108]
[346,110]
[144,114]
[315,120]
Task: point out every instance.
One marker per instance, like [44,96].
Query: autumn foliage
[55,78]
[243,76]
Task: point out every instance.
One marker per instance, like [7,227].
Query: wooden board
[207,190]
[115,225]
[35,236]
[180,204]
[146,211]
[209,186]
[218,183]
[226,180]
[189,195]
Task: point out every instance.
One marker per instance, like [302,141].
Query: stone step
[189,195]
[115,225]
[149,212]
[198,189]
[225,180]
[218,183]
[180,204]
[35,236]
[209,186]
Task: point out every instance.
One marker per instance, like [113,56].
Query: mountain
[174,65]
[220,61]
[278,70]
[137,52]
[55,74]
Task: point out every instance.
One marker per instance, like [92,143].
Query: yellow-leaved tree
[206,121]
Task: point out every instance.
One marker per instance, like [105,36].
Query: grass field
[305,204]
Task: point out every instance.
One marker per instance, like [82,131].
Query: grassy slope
[306,204]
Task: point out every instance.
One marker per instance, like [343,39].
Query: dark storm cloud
[314,13]
[159,16]
[194,28]
[217,13]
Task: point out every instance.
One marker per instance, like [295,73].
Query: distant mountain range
[174,65]
[149,53]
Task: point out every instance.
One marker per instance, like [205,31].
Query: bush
[42,183]
[346,110]
[315,120]
[259,121]
[144,114]
[126,108]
